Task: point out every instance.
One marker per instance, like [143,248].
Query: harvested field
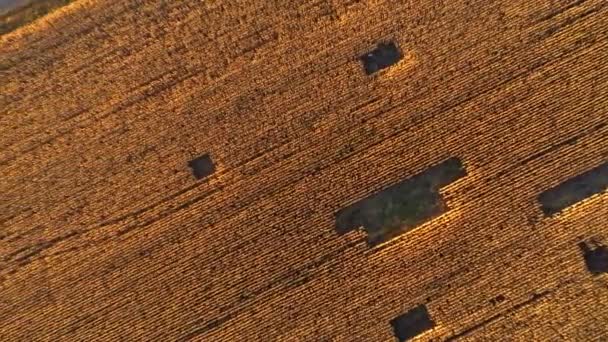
[180,170]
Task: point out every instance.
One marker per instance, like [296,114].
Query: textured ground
[105,234]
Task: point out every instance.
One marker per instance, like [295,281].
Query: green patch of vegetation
[574,190]
[25,14]
[403,206]
[402,210]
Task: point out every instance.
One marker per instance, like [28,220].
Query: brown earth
[106,235]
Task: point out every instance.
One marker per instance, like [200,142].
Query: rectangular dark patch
[202,166]
[574,190]
[596,257]
[383,56]
[412,323]
[401,207]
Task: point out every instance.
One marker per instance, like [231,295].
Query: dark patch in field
[385,55]
[202,166]
[401,207]
[596,257]
[412,323]
[497,300]
[574,190]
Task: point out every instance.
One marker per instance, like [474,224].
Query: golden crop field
[323,170]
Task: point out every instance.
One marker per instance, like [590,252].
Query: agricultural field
[324,170]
